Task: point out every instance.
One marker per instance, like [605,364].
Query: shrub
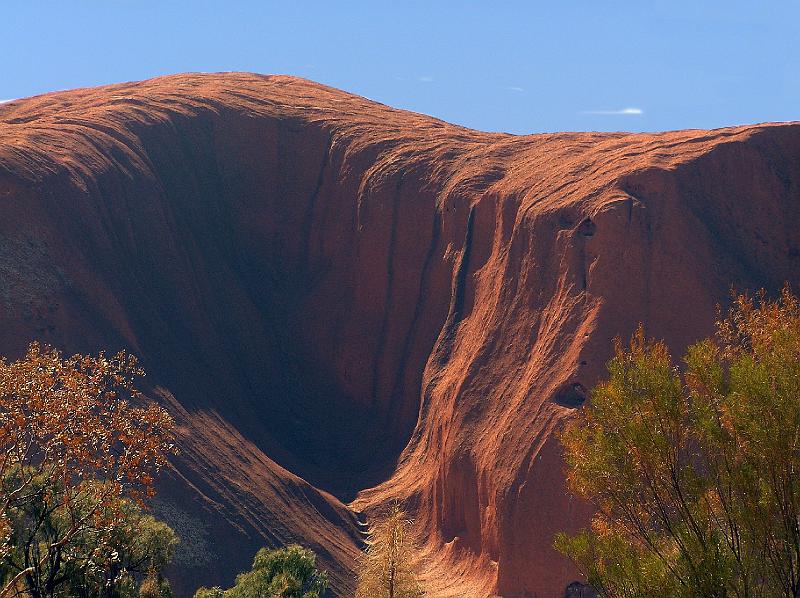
[155,586]
[288,572]
[695,475]
[387,569]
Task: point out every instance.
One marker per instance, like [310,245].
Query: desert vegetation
[288,572]
[79,450]
[694,470]
[387,569]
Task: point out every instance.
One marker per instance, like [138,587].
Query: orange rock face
[345,304]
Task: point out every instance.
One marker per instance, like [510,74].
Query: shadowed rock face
[345,304]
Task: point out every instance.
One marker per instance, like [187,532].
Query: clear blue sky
[518,66]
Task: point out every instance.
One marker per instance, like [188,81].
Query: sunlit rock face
[345,304]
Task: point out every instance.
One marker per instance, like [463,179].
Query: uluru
[344,305]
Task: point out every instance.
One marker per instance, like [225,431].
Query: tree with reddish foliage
[78,445]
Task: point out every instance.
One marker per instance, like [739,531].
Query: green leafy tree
[387,569]
[136,544]
[101,556]
[289,572]
[695,475]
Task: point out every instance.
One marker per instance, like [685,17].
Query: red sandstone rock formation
[344,304]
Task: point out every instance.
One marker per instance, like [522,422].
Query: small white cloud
[6,101]
[515,88]
[426,79]
[623,112]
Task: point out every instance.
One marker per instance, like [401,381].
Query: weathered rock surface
[345,304]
